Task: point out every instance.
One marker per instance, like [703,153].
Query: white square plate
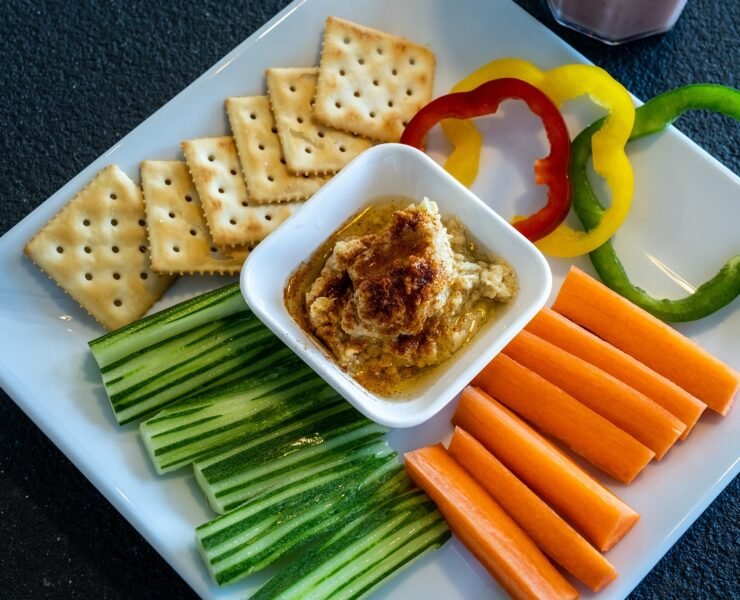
[682,228]
[394,170]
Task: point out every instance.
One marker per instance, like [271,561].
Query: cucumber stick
[298,450]
[210,340]
[210,354]
[363,554]
[224,417]
[300,470]
[271,525]
[167,323]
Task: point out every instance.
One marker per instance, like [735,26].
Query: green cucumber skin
[419,533]
[414,550]
[212,341]
[377,515]
[304,473]
[225,364]
[314,513]
[419,528]
[264,459]
[267,372]
[200,428]
[230,544]
[225,527]
[380,495]
[263,449]
[227,499]
[186,315]
[210,344]
[204,333]
[252,368]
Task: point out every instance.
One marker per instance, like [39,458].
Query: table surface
[75,78]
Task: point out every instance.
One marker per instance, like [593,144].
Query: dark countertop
[76,77]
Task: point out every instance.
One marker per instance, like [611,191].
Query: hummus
[404,297]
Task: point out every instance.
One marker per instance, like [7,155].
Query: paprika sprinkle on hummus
[397,291]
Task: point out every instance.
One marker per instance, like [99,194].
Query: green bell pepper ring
[655,115]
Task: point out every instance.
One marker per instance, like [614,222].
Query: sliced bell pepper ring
[655,115]
[610,161]
[484,100]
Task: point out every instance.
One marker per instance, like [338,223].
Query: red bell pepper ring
[551,171]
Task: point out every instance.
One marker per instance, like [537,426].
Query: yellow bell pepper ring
[609,158]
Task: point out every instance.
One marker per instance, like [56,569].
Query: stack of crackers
[116,250]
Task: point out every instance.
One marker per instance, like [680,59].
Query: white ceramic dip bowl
[393,170]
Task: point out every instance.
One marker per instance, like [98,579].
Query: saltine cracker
[308,146]
[265,172]
[370,82]
[95,249]
[233,219]
[179,239]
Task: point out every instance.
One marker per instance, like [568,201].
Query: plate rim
[14,387]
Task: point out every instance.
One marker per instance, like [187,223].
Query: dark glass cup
[617,21]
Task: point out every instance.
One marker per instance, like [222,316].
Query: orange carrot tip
[508,553]
[560,415]
[628,409]
[563,333]
[631,329]
[558,540]
[589,507]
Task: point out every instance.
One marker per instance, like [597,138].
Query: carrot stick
[508,554]
[598,514]
[565,334]
[615,319]
[550,532]
[627,408]
[557,413]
